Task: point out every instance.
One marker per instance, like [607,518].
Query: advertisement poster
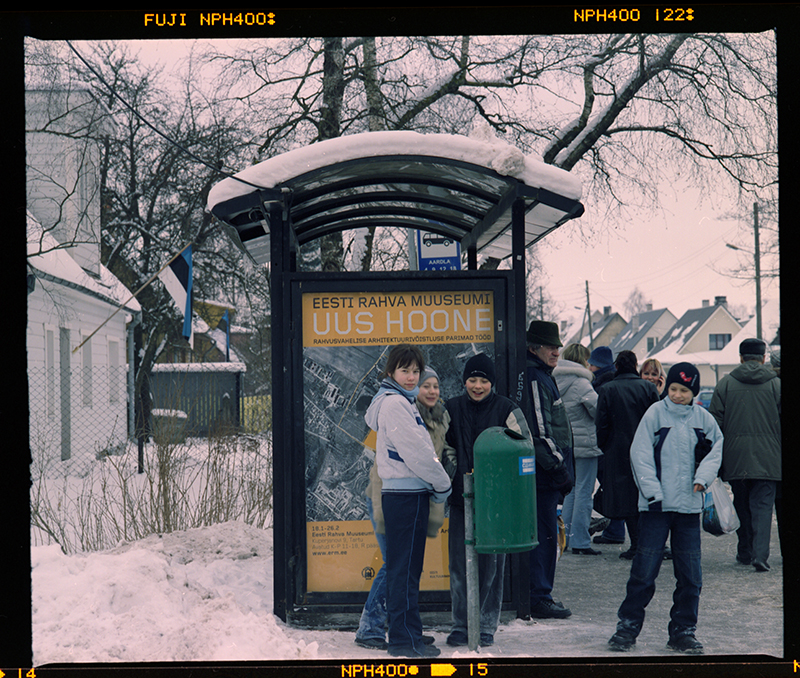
[346,339]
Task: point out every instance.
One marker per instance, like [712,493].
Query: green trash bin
[505,492]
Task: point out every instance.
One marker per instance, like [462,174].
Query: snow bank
[204,593]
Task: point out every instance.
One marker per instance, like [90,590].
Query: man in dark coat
[555,465]
[601,363]
[747,406]
[621,403]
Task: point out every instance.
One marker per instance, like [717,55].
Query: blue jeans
[615,530]
[654,528]
[373,617]
[577,509]
[491,570]
[406,518]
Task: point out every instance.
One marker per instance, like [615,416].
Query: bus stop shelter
[330,330]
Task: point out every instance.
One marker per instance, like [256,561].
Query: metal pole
[473,593]
[589,318]
[758,271]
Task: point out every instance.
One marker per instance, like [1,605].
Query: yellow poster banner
[371,318]
[344,556]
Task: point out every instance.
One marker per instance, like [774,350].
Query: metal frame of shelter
[488,213]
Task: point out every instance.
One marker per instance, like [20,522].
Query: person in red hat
[675,456]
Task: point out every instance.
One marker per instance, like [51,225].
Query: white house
[77,334]
[701,337]
[724,361]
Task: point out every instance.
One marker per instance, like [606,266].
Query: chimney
[705,303]
[606,312]
[648,307]
[635,322]
[721,301]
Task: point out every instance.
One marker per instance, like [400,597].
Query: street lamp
[757,259]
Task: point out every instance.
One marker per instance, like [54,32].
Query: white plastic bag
[719,515]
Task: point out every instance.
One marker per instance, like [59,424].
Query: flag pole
[122,305]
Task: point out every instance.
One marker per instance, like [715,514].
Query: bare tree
[635,303]
[154,187]
[622,111]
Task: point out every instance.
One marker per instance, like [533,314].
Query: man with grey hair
[747,406]
[555,465]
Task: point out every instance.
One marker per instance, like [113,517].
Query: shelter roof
[459,187]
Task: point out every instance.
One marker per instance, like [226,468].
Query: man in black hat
[555,471]
[747,406]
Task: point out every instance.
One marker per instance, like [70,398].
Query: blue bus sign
[436,252]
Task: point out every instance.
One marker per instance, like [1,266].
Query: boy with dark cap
[555,465]
[672,437]
[479,408]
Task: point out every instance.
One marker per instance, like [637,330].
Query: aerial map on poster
[346,337]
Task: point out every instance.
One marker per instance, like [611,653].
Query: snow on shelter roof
[457,186]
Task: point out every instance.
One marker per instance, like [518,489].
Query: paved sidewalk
[741,610]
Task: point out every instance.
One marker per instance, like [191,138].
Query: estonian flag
[225,326]
[177,278]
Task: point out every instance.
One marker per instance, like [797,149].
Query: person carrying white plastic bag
[719,515]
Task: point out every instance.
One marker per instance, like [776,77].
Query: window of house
[716,342]
[86,374]
[50,371]
[114,372]
[651,343]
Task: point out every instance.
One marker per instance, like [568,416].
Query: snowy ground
[206,595]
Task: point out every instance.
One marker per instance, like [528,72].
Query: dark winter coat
[550,427]
[468,419]
[603,376]
[621,403]
[747,406]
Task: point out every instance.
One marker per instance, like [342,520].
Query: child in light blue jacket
[675,456]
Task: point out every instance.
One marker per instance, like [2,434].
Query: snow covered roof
[458,186]
[55,263]
[668,353]
[636,330]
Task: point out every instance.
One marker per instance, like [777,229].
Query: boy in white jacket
[675,455]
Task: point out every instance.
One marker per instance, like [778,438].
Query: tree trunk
[331,249]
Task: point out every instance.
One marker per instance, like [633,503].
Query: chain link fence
[209,458]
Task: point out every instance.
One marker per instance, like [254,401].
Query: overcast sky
[677,260]
[676,257]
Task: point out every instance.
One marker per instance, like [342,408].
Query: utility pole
[757,262]
[758,271]
[589,317]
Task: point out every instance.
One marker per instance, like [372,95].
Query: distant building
[643,332]
[698,337]
[605,327]
[77,374]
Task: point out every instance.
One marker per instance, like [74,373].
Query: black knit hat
[686,375]
[480,365]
